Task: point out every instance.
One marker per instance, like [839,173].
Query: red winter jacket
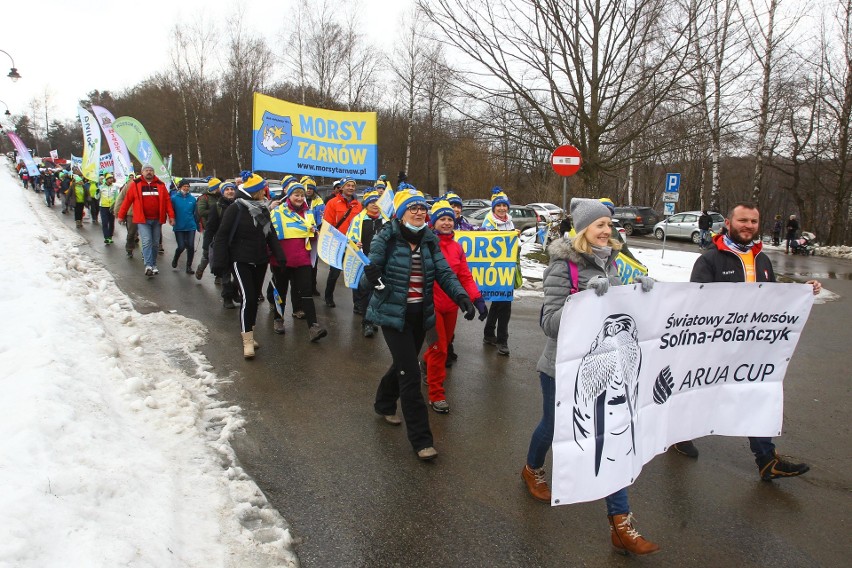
[454,254]
[134,193]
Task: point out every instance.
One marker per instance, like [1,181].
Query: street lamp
[7,113]
[13,72]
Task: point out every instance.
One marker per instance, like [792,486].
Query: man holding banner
[735,257]
[339,213]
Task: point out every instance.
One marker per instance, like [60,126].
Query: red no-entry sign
[566,160]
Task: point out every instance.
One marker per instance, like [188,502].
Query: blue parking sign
[672,183]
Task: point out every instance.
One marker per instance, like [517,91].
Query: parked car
[618,231]
[637,220]
[470,206]
[548,211]
[685,226]
[197,186]
[523,217]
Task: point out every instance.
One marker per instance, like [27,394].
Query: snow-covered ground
[114,452]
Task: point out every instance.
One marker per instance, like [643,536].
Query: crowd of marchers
[416,283]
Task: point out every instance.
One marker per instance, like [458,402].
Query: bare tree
[572,70]
[407,65]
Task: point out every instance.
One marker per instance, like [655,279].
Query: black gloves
[481,308]
[467,307]
[373,272]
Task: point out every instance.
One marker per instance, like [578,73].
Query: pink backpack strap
[575,277]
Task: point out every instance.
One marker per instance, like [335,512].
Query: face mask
[413,228]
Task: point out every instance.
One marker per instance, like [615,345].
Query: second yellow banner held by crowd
[493,259]
[291,138]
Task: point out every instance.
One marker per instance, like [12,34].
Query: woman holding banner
[361,232]
[405,263]
[497,324]
[297,238]
[585,262]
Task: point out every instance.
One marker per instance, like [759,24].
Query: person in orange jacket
[153,208]
[339,212]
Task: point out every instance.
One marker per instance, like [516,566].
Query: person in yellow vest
[78,195]
[317,205]
[108,193]
[364,227]
[297,233]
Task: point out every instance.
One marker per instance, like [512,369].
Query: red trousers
[436,354]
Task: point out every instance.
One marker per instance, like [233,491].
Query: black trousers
[298,280]
[402,380]
[249,278]
[331,282]
[78,211]
[499,315]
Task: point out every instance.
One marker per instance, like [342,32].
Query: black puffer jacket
[721,264]
[249,243]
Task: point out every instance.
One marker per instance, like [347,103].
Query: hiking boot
[199,272]
[774,466]
[79,224]
[189,270]
[174,261]
[489,340]
[299,314]
[626,539]
[536,480]
[440,406]
[503,349]
[248,344]
[278,326]
[330,303]
[367,330]
[149,271]
[229,304]
[427,454]
[316,332]
[687,449]
[392,419]
[217,281]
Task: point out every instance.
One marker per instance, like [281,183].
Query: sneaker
[106,241]
[367,330]
[110,241]
[427,454]
[229,304]
[489,340]
[503,349]
[316,332]
[155,270]
[149,271]
[774,466]
[687,449]
[278,326]
[299,314]
[440,406]
[536,481]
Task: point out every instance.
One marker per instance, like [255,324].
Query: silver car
[685,226]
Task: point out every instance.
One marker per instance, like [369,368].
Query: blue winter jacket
[393,253]
[184,206]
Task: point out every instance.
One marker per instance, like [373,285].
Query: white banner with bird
[637,372]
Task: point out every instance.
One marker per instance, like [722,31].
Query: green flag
[140,145]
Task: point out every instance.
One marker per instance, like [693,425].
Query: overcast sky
[71,48]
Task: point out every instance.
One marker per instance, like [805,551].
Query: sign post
[671,193]
[566,162]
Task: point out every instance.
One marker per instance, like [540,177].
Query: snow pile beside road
[835,252]
[115,452]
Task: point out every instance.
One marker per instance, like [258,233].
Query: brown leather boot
[536,483]
[625,539]
[248,344]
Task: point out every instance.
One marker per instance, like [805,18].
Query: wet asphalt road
[355,494]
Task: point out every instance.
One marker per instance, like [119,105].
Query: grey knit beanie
[586,211]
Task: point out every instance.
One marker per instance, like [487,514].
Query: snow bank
[116,451]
